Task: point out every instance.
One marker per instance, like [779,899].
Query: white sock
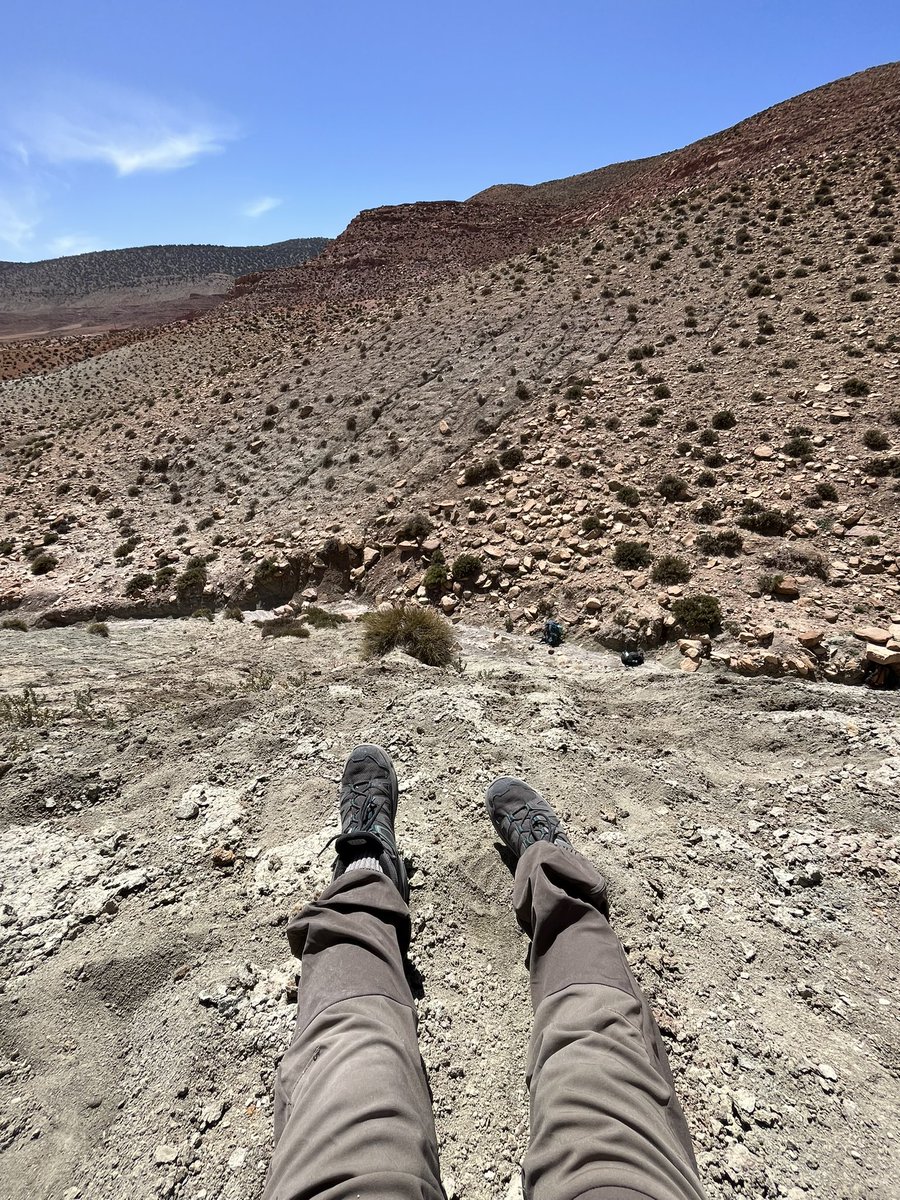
[364,864]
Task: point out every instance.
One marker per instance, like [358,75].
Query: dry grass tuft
[417,631]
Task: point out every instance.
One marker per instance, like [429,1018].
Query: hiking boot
[368,801]
[521,816]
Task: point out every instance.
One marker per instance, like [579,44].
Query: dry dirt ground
[747,827]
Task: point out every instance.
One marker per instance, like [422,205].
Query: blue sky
[202,121]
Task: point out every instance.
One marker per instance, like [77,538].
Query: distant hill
[143,285]
[59,280]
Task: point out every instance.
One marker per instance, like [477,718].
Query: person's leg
[605,1121]
[352,1106]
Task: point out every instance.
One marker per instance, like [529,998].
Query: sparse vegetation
[631,556]
[728,542]
[698,614]
[466,568]
[670,569]
[673,487]
[420,632]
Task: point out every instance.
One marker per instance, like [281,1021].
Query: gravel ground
[165,795]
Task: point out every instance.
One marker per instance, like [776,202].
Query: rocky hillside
[672,411]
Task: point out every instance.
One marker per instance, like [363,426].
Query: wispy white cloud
[71,243]
[130,131]
[18,222]
[256,208]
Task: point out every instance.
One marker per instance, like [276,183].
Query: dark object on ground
[553,633]
[633,658]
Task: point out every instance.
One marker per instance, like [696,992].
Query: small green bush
[511,457]
[706,479]
[192,579]
[466,567]
[669,568]
[138,583]
[697,614]
[724,419]
[629,496]
[479,472]
[799,447]
[706,513]
[233,613]
[881,468]
[631,556]
[767,522]
[875,439]
[855,387]
[420,632]
[672,487]
[43,564]
[727,542]
[435,578]
[14,623]
[826,490]
[202,613]
[416,528]
[98,629]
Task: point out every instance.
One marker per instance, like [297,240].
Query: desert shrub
[192,579]
[855,387]
[591,524]
[874,439]
[98,629]
[706,479]
[43,564]
[420,632]
[669,568]
[706,513]
[881,468]
[466,567]
[202,613]
[697,614]
[768,584]
[15,623]
[164,576]
[287,627]
[511,458]
[435,578]
[613,424]
[320,618]
[416,528]
[826,490]
[478,472]
[7,545]
[629,496]
[893,417]
[138,583]
[724,419]
[708,437]
[672,487]
[768,522]
[691,426]
[727,542]
[662,391]
[233,613]
[631,556]
[797,559]
[799,447]
[522,392]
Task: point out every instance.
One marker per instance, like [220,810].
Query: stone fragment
[763,451]
[222,858]
[871,633]
[788,588]
[187,810]
[883,656]
[165,1155]
[810,638]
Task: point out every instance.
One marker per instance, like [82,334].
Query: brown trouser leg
[605,1121]
[352,1106]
